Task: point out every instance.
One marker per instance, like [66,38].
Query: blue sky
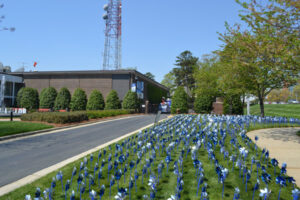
[69,34]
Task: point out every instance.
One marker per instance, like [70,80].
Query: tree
[78,100]
[47,97]
[274,96]
[264,57]
[96,101]
[187,64]
[203,103]
[62,101]
[19,96]
[296,92]
[179,101]
[112,100]
[29,98]
[285,95]
[169,81]
[150,75]
[233,105]
[130,101]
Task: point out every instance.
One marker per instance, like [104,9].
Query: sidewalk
[284,145]
[8,119]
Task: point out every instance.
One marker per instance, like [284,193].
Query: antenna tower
[112,48]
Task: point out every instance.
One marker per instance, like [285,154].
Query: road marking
[65,129]
[37,175]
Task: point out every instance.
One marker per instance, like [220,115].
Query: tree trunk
[262,106]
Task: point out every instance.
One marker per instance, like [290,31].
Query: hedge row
[69,117]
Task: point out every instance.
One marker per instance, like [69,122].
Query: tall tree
[265,56]
[169,81]
[150,75]
[187,64]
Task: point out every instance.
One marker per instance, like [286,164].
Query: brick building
[102,80]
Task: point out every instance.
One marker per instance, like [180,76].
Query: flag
[34,64]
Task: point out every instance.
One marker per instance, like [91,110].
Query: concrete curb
[4,138]
[37,175]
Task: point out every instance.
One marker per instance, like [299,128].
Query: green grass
[10,128]
[279,110]
[167,182]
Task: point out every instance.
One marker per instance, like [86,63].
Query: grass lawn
[169,136]
[281,110]
[10,128]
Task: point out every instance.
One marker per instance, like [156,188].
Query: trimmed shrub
[203,103]
[19,96]
[29,98]
[62,101]
[56,117]
[233,105]
[112,101]
[96,101]
[78,100]
[47,97]
[107,113]
[130,101]
[179,101]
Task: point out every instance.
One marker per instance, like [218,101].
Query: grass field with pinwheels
[188,157]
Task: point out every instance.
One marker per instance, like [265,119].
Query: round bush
[19,96]
[29,98]
[179,101]
[203,103]
[63,99]
[112,100]
[96,101]
[233,105]
[78,100]
[47,97]
[130,101]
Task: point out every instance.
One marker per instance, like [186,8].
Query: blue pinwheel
[248,176]
[111,183]
[256,187]
[118,175]
[101,192]
[168,160]
[59,177]
[130,187]
[79,181]
[37,195]
[67,187]
[274,162]
[122,193]
[93,195]
[283,168]
[82,189]
[264,193]
[236,194]
[91,160]
[282,183]
[72,197]
[73,174]
[296,194]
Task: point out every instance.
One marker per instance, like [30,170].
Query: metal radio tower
[113,32]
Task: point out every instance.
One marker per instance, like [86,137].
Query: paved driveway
[284,145]
[25,156]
